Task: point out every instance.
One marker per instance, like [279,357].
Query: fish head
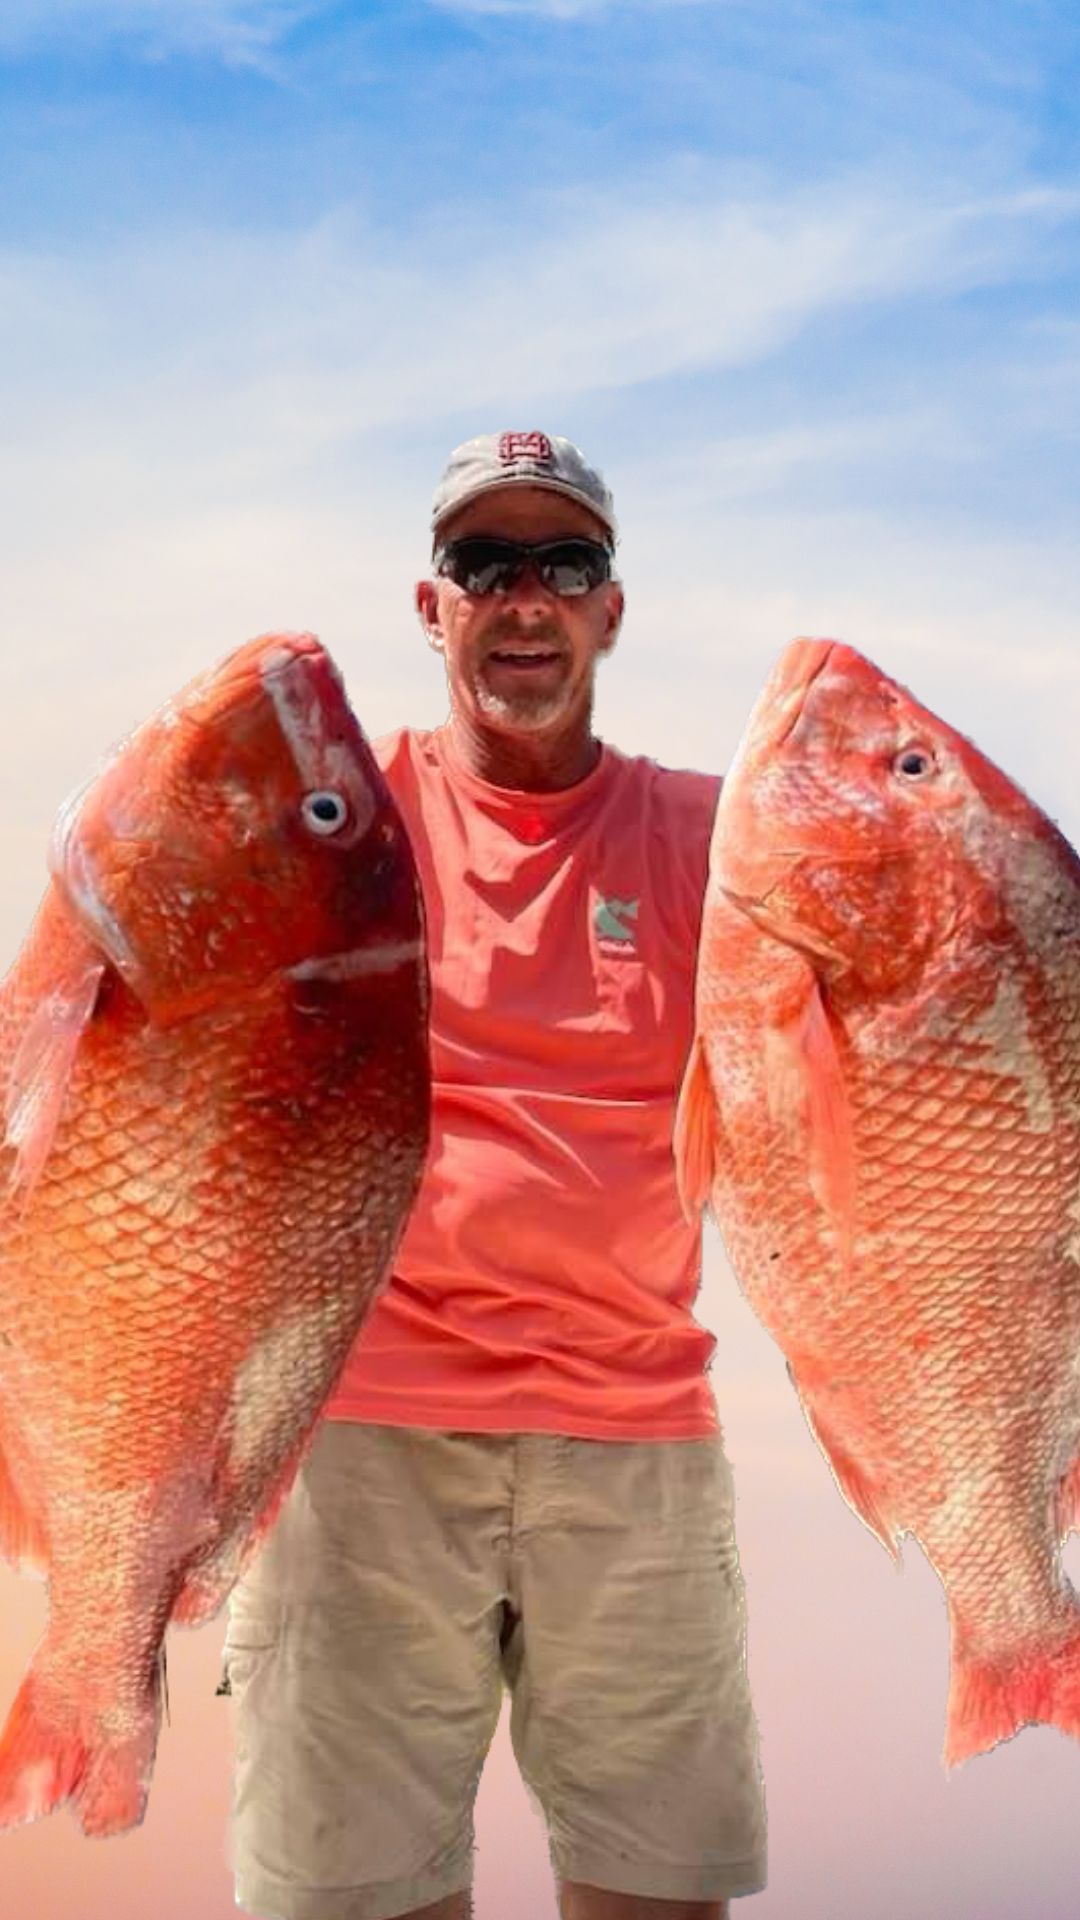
[858,826]
[242,832]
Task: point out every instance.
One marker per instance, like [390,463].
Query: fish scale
[191,1235]
[883,1109]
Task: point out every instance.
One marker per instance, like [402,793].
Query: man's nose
[528,590]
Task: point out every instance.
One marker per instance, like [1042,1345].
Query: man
[520,1478]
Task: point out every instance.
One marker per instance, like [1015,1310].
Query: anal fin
[208,1584]
[853,1480]
[22,1537]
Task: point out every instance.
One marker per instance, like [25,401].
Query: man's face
[523,661]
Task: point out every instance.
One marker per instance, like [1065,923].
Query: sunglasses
[567,568]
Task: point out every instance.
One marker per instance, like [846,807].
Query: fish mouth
[262,663]
[784,698]
[270,653]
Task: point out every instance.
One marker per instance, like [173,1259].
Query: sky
[802,280]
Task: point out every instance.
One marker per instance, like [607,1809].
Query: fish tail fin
[48,1755]
[991,1700]
[40,1765]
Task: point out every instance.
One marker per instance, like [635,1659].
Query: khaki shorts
[409,1576]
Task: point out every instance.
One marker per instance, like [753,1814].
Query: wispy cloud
[301,341]
[745,466]
[210,433]
[241,31]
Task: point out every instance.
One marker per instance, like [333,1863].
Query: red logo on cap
[525,446]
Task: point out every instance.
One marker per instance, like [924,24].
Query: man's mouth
[527,659]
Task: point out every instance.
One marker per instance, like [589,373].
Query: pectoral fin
[696,1123]
[41,1070]
[808,1096]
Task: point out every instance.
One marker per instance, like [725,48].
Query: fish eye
[914,763]
[324,811]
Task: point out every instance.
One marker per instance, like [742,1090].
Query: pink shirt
[547,1275]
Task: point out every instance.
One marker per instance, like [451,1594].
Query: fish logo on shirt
[610,918]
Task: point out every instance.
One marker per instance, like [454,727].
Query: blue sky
[803,280]
[791,261]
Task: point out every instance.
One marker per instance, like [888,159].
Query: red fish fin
[1066,1512]
[22,1538]
[806,1085]
[39,1767]
[200,1598]
[40,1072]
[989,1702]
[853,1481]
[695,1137]
[46,1759]
[206,1588]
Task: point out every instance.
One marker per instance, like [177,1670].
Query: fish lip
[244,672]
[278,652]
[820,653]
[65,824]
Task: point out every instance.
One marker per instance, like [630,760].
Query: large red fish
[883,1105]
[214,1049]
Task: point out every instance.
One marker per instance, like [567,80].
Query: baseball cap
[527,459]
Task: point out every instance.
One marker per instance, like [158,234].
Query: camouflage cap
[521,459]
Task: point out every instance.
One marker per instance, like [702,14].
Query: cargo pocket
[251,1637]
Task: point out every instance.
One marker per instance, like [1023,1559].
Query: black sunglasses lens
[482,566]
[568,568]
[573,567]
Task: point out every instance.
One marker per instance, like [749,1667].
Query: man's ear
[615,607]
[427,608]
